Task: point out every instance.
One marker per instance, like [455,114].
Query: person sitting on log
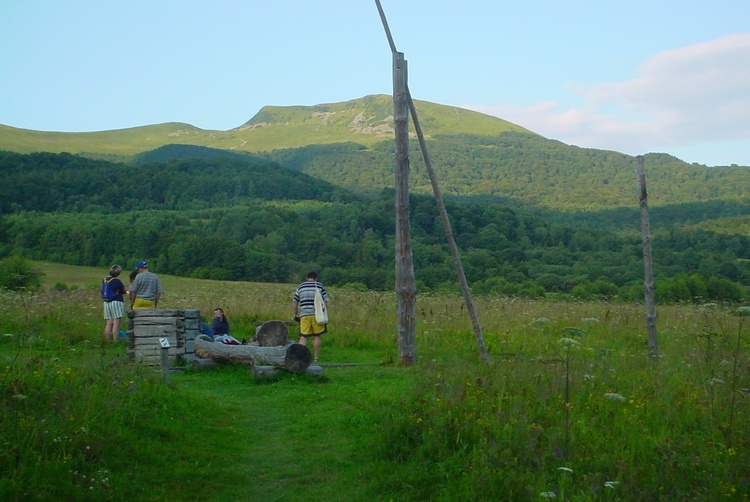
[220,328]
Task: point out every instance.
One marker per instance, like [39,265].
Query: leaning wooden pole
[449,233]
[648,281]
[405,286]
[440,204]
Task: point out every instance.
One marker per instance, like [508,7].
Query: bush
[17,275]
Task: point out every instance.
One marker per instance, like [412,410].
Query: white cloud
[694,95]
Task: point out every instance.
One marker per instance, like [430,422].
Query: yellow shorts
[308,326]
[140,303]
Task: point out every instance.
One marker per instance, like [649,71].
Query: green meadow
[570,406]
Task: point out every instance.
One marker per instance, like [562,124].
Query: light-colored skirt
[114,310]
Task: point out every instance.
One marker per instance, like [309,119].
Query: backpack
[108,292]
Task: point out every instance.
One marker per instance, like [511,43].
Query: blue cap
[142,264]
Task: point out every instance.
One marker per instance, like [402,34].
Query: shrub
[16,274]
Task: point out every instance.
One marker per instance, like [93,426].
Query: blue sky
[634,77]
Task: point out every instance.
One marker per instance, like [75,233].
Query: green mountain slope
[475,156]
[365,121]
[523,170]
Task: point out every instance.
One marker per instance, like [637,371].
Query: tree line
[230,219]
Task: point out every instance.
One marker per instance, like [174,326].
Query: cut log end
[298,358]
[271,334]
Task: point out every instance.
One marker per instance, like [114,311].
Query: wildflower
[9,335]
[587,376]
[574,331]
[611,484]
[715,381]
[541,322]
[548,495]
[568,342]
[20,397]
[708,306]
[613,396]
[742,311]
[566,469]
[590,320]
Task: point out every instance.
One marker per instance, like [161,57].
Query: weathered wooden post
[438,197]
[165,358]
[405,286]
[648,281]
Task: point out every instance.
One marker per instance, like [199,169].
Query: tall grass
[574,409]
[571,406]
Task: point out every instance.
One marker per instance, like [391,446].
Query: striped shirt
[146,285]
[305,297]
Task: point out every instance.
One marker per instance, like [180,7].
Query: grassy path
[297,438]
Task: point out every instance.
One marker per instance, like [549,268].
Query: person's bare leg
[316,348]
[115,329]
[303,340]
[107,329]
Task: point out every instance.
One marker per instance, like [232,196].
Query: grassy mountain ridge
[476,156]
[365,121]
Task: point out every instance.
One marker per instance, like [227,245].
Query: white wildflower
[611,484]
[541,322]
[568,342]
[566,469]
[590,320]
[716,381]
[613,396]
[548,495]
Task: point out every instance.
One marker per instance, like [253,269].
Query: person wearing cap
[146,289]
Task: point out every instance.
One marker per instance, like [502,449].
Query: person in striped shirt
[303,302]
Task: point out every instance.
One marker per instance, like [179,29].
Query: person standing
[146,289]
[303,303]
[114,304]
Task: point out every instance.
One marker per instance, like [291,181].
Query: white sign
[164,343]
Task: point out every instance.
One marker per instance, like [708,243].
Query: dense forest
[241,218]
[522,169]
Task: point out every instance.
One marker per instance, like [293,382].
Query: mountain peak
[367,120]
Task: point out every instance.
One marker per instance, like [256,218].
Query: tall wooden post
[648,281]
[405,287]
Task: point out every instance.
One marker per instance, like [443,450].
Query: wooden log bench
[293,357]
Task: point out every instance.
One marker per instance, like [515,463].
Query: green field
[570,406]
